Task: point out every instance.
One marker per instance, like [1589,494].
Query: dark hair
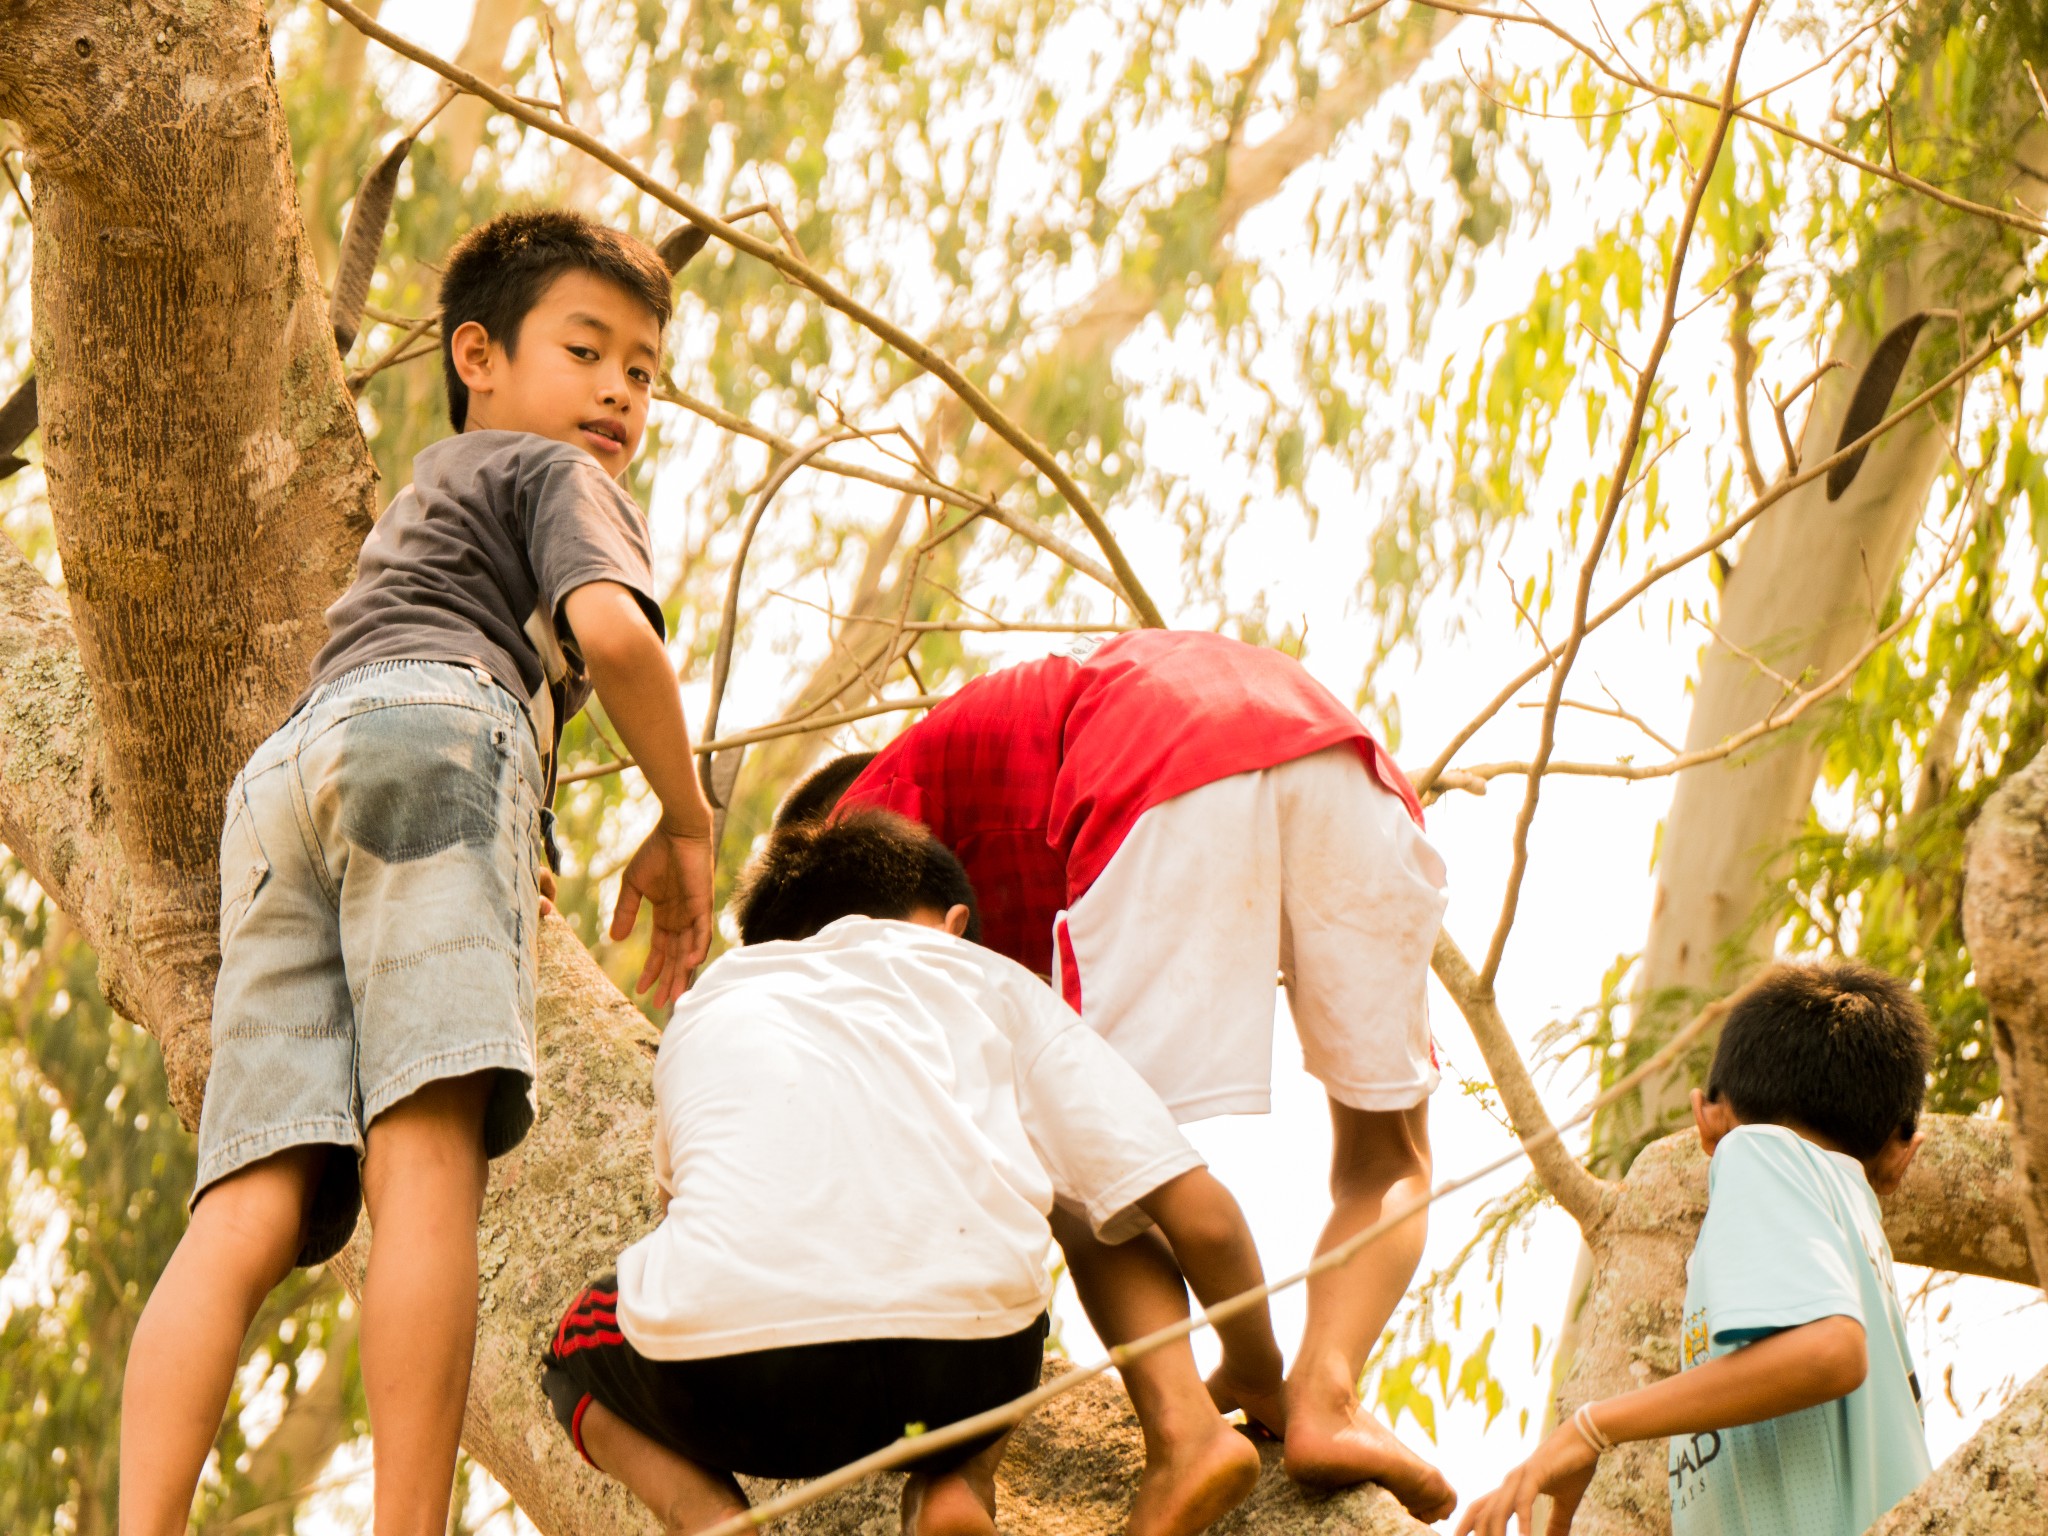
[819,794]
[1840,1048]
[872,863]
[498,271]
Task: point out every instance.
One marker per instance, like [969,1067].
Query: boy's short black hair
[1839,1048]
[870,863]
[819,794]
[497,272]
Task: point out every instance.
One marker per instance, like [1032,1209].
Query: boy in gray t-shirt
[1797,1412]
[382,866]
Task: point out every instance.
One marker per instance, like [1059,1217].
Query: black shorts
[795,1412]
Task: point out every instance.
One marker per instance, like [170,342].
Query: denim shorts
[378,905]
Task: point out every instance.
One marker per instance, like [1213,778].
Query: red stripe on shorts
[576,1428]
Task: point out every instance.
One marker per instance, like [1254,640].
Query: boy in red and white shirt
[1160,828]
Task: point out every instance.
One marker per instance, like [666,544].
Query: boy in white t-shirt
[862,1122]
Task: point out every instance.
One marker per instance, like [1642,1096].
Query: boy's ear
[470,346]
[957,919]
[1887,1170]
[1713,1120]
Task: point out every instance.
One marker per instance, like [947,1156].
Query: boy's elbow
[1841,1357]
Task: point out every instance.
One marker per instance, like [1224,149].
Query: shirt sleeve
[583,527]
[1104,1136]
[1771,1253]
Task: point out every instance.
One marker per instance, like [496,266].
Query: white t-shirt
[860,1136]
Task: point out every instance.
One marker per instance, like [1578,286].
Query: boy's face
[582,374]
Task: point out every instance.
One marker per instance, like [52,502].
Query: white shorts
[1310,871]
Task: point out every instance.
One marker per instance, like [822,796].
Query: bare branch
[798,271]
[1570,1184]
[774,732]
[1637,81]
[1728,530]
[1616,491]
[1780,716]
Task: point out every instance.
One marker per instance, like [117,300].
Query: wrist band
[1589,1432]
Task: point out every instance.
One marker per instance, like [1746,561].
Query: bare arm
[672,869]
[1814,1363]
[1202,1223]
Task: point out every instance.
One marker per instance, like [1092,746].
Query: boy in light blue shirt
[1797,1412]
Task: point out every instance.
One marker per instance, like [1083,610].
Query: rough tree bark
[2005,918]
[194,431]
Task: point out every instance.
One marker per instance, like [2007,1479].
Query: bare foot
[945,1506]
[1324,1454]
[1266,1410]
[1196,1486]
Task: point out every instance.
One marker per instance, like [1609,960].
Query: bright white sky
[1589,889]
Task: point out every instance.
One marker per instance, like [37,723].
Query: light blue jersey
[1792,1235]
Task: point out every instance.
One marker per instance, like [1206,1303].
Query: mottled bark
[1956,1210]
[2005,917]
[1071,1471]
[194,427]
[1996,1485]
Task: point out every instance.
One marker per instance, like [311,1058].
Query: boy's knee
[252,1224]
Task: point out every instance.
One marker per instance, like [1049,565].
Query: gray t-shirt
[471,562]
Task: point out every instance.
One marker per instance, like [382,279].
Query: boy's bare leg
[423,1180]
[1378,1161]
[1197,1468]
[181,1362]
[957,1503]
[686,1497]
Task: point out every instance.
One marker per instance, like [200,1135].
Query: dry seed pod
[18,416]
[1873,397]
[720,773]
[680,244]
[362,241]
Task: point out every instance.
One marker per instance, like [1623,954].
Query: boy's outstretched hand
[1562,1467]
[671,872]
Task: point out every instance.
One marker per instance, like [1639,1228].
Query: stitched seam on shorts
[415,1074]
[404,962]
[283,1135]
[332,1029]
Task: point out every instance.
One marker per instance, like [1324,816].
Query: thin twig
[774,732]
[729,615]
[1615,712]
[2032,226]
[7,165]
[937,490]
[1779,717]
[916,1447]
[1788,686]
[1616,489]
[1714,540]
[886,330]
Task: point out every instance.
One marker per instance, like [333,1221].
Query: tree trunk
[1959,1209]
[2005,917]
[195,431]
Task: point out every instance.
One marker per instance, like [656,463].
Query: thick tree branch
[2005,917]
[1586,1197]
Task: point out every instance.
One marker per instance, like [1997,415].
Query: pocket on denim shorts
[243,864]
